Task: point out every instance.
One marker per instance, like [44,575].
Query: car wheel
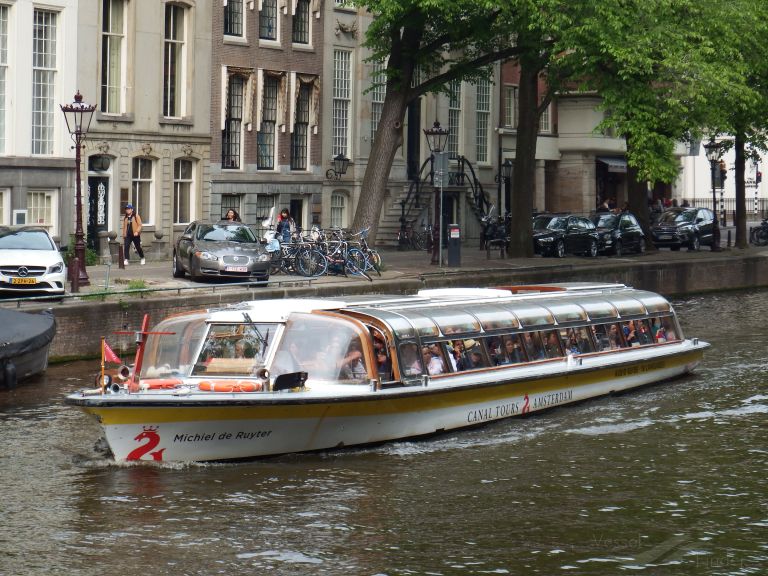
[559,249]
[695,243]
[177,269]
[617,248]
[592,252]
[641,246]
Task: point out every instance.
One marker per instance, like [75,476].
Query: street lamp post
[714,151]
[506,174]
[436,140]
[340,164]
[78,116]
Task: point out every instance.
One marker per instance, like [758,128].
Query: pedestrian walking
[286,226]
[132,234]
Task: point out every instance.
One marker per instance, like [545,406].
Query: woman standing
[132,234]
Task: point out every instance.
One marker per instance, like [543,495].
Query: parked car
[30,262]
[561,234]
[690,227]
[619,233]
[221,249]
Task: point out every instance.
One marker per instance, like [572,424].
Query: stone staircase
[389,221]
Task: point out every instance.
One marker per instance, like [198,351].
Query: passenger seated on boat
[644,333]
[244,349]
[512,354]
[409,355]
[630,333]
[614,337]
[432,359]
[383,361]
[573,344]
[352,366]
[552,345]
[584,340]
[533,346]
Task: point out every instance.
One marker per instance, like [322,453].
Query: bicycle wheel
[761,237]
[311,262]
[419,241]
[356,263]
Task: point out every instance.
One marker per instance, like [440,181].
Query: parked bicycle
[759,235]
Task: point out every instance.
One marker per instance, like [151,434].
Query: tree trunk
[389,137]
[524,177]
[742,240]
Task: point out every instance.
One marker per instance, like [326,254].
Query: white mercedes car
[30,263]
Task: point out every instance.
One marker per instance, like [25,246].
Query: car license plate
[23,280]
[236,269]
[665,237]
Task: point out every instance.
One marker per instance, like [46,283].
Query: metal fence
[757,208]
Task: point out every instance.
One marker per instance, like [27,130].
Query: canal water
[670,479]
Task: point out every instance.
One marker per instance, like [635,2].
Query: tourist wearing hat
[132,234]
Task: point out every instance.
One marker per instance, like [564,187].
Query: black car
[222,249]
[558,235]
[619,233]
[690,227]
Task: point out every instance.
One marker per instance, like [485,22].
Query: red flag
[109,355]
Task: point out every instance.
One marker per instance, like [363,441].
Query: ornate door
[98,188]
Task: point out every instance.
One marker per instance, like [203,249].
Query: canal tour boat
[281,376]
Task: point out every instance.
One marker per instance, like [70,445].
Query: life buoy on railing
[229,386]
[159,383]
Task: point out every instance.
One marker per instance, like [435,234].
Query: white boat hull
[191,426]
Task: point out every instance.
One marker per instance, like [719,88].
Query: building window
[268,20]
[5,206]
[338,210]
[510,106]
[141,188]
[183,187]
[112,42]
[299,138]
[231,202]
[173,65]
[233,18]
[43,81]
[378,92]
[231,135]
[3,73]
[545,126]
[454,118]
[483,119]
[301,22]
[40,208]
[342,91]
[264,205]
[265,138]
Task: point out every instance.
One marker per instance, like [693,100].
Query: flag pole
[101,382]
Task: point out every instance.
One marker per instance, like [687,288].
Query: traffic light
[758,177]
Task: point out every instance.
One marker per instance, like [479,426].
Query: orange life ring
[229,386]
[160,383]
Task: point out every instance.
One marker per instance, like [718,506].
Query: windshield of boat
[234,349]
[225,233]
[549,223]
[172,354]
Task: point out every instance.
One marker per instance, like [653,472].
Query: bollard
[120,257]
[74,275]
[729,239]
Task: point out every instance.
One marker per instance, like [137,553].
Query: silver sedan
[222,249]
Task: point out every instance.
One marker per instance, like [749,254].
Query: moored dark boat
[24,343]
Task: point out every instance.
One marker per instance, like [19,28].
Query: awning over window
[614,164]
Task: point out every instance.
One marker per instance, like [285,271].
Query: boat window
[532,315]
[452,320]
[410,359]
[381,354]
[628,306]
[494,317]
[665,329]
[172,354]
[433,358]
[567,312]
[425,327]
[532,345]
[653,302]
[466,354]
[327,348]
[578,340]
[399,325]
[598,309]
[609,337]
[504,350]
[552,345]
[234,349]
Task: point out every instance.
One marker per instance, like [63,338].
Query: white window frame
[339,209]
[510,106]
[243,24]
[294,6]
[110,88]
[4,71]
[44,76]
[263,123]
[5,207]
[483,122]
[454,142]
[50,221]
[225,116]
[177,182]
[180,101]
[378,93]
[276,40]
[545,121]
[341,115]
[146,213]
